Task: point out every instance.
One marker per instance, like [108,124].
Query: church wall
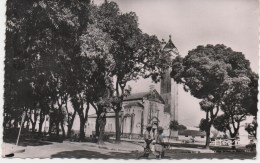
[146,106]
[137,120]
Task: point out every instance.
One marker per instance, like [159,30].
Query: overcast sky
[197,22]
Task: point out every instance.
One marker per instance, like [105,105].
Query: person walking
[148,138]
[159,143]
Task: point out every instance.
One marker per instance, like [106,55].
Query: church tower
[169,88]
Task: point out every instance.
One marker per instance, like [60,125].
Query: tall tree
[134,53]
[96,45]
[206,72]
[36,32]
[236,105]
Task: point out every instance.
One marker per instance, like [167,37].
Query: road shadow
[92,154]
[98,155]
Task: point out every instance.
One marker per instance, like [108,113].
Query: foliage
[130,52]
[203,126]
[221,123]
[221,78]
[37,36]
[174,125]
[181,127]
[251,128]
[251,146]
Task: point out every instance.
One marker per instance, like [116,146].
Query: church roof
[169,45]
[138,104]
[150,95]
[136,96]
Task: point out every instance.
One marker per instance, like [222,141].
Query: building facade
[138,110]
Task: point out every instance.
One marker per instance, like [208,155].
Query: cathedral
[151,107]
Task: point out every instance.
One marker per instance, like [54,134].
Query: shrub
[251,146]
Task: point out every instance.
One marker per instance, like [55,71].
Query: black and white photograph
[130,79]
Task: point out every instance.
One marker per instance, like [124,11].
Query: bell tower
[169,88]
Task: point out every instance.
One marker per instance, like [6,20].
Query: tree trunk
[81,128]
[117,126]
[62,129]
[42,117]
[25,120]
[233,138]
[50,125]
[33,126]
[207,131]
[69,130]
[57,129]
[233,144]
[70,124]
[102,124]
[207,138]
[97,127]
[101,133]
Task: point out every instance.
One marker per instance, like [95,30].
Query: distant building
[192,136]
[139,109]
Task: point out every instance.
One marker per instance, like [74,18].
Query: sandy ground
[54,149]
[125,150]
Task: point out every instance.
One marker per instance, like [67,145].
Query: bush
[55,138]
[74,137]
[251,146]
[10,133]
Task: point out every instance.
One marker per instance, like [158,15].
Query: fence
[225,142]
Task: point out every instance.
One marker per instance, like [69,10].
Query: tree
[174,125]
[221,123]
[206,72]
[134,53]
[95,46]
[36,33]
[251,128]
[181,127]
[238,102]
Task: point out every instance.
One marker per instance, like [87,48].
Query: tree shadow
[29,142]
[90,154]
[98,155]
[36,143]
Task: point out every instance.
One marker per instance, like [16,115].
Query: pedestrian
[148,138]
[159,143]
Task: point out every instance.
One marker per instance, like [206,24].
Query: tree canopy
[221,78]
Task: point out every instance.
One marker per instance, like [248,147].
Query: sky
[190,23]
